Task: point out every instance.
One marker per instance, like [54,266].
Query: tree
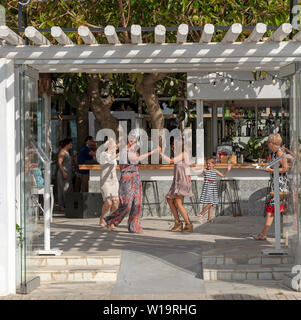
[123,13]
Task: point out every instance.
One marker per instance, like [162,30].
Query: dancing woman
[108,179]
[130,189]
[180,188]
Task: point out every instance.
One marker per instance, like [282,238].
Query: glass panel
[292,219]
[31,174]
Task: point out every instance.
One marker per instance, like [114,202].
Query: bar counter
[252,185]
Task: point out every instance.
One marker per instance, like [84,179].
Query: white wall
[7,178]
[225,91]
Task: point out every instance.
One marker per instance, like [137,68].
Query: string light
[274,80]
[223,78]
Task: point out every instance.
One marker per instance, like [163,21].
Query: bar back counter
[251,189]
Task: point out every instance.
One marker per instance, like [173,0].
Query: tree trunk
[82,120]
[100,107]
[147,89]
[44,84]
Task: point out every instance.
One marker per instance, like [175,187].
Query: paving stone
[239,276]
[265,276]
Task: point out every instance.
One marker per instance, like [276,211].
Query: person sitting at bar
[86,153]
[274,144]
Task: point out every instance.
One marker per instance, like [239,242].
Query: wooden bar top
[170,166]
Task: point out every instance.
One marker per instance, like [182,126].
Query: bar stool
[228,194]
[269,188]
[194,201]
[154,185]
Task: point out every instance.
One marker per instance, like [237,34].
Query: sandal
[259,236]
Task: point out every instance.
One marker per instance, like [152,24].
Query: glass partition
[293,216]
[31,177]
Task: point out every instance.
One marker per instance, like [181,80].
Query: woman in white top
[108,178]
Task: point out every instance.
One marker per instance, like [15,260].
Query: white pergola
[254,53]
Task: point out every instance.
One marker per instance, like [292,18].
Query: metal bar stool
[145,199]
[228,194]
[194,200]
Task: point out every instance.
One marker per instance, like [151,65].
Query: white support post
[233,33]
[200,132]
[87,36]
[258,32]
[8,179]
[282,32]
[214,127]
[111,35]
[160,34]
[207,33]
[60,36]
[277,250]
[136,34]
[35,36]
[10,37]
[182,33]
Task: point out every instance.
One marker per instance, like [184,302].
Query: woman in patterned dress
[108,178]
[180,188]
[274,143]
[130,189]
[209,193]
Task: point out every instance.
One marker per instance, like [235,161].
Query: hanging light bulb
[172,83]
[195,86]
[232,83]
[274,80]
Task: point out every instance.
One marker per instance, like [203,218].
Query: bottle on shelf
[248,130]
[239,130]
[259,132]
[252,130]
[230,129]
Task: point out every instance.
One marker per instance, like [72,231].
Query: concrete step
[288,281]
[245,272]
[75,273]
[209,259]
[73,260]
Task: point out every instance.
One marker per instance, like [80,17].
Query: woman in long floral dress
[130,189]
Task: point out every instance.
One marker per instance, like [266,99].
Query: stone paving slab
[83,237]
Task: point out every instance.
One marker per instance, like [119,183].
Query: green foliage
[99,13]
[252,149]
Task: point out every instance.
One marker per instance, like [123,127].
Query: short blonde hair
[211,159]
[275,138]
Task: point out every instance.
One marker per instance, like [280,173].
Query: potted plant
[253,149]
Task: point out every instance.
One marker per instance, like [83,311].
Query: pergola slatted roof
[254,53]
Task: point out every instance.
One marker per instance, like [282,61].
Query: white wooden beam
[60,36]
[258,32]
[35,36]
[182,33]
[297,36]
[87,36]
[170,52]
[233,33]
[207,33]
[111,35]
[10,37]
[160,34]
[136,34]
[282,32]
